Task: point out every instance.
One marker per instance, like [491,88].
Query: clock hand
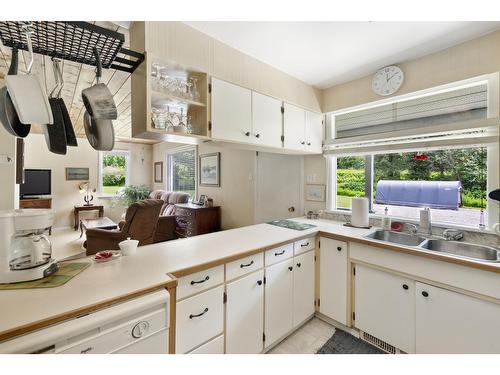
[392,76]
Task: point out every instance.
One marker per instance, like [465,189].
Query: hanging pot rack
[73,41]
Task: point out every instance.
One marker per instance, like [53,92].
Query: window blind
[182,171]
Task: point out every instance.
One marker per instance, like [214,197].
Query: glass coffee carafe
[29,249]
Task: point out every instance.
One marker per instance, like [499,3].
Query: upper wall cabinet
[303,130]
[267,120]
[231,112]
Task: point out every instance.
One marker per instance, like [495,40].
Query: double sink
[460,249]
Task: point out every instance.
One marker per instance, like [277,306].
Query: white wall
[314,173]
[65,193]
[8,190]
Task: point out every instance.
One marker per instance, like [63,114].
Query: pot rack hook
[98,66]
[27,29]
[55,67]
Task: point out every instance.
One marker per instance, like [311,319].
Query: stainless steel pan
[100,133]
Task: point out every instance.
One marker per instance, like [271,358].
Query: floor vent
[378,343]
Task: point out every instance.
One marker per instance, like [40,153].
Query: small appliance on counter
[359,215]
[25,249]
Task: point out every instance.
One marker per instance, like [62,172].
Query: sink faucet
[453,235]
[412,228]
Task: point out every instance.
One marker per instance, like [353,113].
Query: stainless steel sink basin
[464,250]
[396,237]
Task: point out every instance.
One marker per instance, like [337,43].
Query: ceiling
[324,54]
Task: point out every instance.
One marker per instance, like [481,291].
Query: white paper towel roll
[359,216]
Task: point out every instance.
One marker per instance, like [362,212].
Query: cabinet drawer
[199,318]
[199,281]
[278,254]
[244,266]
[215,346]
[304,245]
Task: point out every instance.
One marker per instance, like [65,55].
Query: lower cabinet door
[450,322]
[214,346]
[278,301]
[303,287]
[245,314]
[385,307]
[198,319]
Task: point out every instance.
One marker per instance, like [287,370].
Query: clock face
[387,80]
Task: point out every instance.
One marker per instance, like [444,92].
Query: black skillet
[8,114]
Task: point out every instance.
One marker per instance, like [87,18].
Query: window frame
[493,154]
[126,154]
[168,163]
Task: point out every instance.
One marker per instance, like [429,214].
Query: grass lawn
[110,190]
[343,201]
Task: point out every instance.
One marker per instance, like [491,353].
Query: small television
[36,182]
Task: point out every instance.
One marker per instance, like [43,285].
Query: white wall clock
[387,80]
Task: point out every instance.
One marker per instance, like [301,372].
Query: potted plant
[131,194]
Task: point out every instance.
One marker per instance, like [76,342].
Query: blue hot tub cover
[433,194]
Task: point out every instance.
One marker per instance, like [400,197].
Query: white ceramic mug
[128,247]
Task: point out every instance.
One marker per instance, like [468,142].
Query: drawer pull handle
[85,351]
[259,282]
[425,294]
[246,265]
[278,254]
[304,244]
[339,248]
[198,315]
[299,264]
[405,287]
[290,268]
[201,281]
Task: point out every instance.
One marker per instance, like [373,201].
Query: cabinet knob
[257,135]
[247,134]
[425,294]
[299,264]
[259,282]
[405,287]
[308,143]
[302,143]
[339,248]
[290,268]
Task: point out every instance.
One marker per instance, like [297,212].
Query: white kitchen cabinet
[314,132]
[450,322]
[245,314]
[303,287]
[231,112]
[385,307]
[278,301]
[214,346]
[293,127]
[333,279]
[267,120]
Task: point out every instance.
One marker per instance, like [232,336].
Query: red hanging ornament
[420,156]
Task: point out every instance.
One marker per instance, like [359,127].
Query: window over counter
[181,171]
[114,171]
[435,148]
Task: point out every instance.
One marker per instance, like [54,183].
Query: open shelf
[175,100]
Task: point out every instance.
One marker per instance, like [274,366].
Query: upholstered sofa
[166,223]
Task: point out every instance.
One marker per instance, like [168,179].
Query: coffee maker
[25,249]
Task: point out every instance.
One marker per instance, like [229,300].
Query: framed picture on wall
[315,193]
[158,171]
[209,169]
[77,174]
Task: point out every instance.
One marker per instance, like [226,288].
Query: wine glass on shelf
[194,89]
[189,125]
[164,78]
[155,74]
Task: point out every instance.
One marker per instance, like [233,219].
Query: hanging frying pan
[100,133]
[55,134]
[28,95]
[68,125]
[8,114]
[98,99]
[495,195]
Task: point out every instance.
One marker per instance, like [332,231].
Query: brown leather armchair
[140,223]
[166,223]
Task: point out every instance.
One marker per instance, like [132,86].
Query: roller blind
[182,171]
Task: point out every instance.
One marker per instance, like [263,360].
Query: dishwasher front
[136,326]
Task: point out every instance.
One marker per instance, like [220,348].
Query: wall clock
[387,80]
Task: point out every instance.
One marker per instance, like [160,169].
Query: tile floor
[307,339]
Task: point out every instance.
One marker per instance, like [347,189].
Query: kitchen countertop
[152,266]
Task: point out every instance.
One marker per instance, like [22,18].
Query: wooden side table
[82,207]
[192,220]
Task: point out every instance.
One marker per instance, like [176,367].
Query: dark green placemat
[65,273]
[291,224]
